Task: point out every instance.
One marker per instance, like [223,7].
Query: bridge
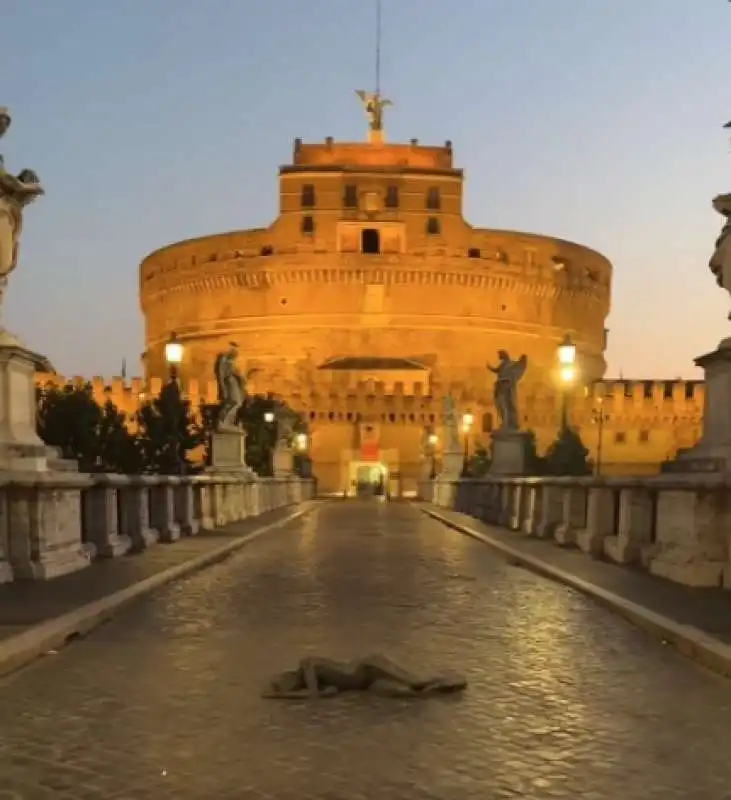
[565,699]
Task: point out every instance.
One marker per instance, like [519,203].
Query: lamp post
[269,417]
[599,418]
[433,440]
[567,374]
[173,358]
[467,420]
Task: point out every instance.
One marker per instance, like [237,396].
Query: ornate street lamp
[300,442]
[567,374]
[598,417]
[173,355]
[467,420]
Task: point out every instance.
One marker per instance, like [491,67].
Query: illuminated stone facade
[370,297]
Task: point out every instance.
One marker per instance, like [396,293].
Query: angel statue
[286,420]
[374,106]
[508,374]
[720,262]
[231,387]
[15,194]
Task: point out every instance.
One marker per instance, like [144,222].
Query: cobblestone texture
[565,700]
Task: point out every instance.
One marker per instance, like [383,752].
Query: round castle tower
[370,297]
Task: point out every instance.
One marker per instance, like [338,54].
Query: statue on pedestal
[508,374]
[451,442]
[16,192]
[231,388]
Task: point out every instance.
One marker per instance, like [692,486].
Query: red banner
[369,451]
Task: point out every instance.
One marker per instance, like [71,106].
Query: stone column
[136,513]
[204,498]
[6,571]
[516,506]
[573,518]
[600,520]
[101,516]
[163,508]
[531,507]
[635,526]
[186,513]
[551,511]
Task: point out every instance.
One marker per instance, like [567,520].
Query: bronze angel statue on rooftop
[508,373]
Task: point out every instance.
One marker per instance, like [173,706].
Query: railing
[677,527]
[55,523]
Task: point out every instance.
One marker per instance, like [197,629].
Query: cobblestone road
[565,700]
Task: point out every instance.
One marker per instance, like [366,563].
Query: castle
[370,298]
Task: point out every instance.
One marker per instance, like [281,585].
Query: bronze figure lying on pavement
[321,677]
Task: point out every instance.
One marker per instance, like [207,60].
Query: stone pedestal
[228,451]
[21,450]
[712,454]
[283,461]
[509,450]
[452,463]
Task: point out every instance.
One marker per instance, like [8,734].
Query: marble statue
[451,443]
[374,105]
[286,420]
[720,262]
[508,373]
[231,387]
[321,677]
[16,192]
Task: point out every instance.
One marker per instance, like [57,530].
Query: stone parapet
[52,524]
[676,527]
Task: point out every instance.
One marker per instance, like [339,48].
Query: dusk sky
[151,121]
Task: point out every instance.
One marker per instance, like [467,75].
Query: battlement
[322,396]
[360,154]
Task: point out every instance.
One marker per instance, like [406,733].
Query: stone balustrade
[55,523]
[677,527]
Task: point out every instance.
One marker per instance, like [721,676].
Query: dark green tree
[167,433]
[261,436]
[479,462]
[95,436]
[567,455]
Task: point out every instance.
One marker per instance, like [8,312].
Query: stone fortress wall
[645,423]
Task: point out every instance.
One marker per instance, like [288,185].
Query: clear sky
[151,121]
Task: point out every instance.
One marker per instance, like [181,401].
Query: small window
[307,198]
[432,226]
[433,199]
[474,252]
[620,437]
[350,196]
[308,224]
[644,437]
[267,250]
[391,197]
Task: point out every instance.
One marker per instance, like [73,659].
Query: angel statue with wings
[508,374]
[231,387]
[16,192]
[374,105]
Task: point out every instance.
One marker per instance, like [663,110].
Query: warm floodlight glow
[567,351]
[173,350]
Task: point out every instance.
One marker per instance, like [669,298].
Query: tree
[261,436]
[567,455]
[95,436]
[479,463]
[168,432]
